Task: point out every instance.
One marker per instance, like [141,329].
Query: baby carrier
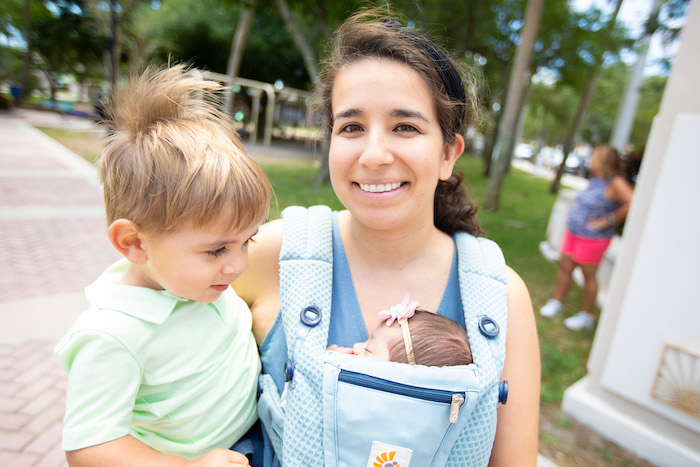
[343,410]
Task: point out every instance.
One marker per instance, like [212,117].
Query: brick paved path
[52,227]
[32,399]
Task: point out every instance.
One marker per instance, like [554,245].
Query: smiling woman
[386,136]
[396,110]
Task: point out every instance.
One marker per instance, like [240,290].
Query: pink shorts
[584,250]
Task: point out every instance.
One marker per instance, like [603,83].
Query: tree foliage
[65,38]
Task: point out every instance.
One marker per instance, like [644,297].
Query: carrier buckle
[310,315]
[488,327]
[503,392]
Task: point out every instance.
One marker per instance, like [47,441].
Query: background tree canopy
[73,37]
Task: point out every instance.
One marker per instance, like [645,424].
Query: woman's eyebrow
[402,113]
[349,113]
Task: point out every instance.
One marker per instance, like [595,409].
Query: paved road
[53,229]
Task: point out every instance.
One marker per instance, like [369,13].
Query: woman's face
[387,151]
[596,163]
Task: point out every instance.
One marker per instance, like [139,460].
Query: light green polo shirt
[176,374]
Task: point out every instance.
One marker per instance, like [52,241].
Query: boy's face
[196,263]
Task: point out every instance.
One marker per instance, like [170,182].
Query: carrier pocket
[379,413]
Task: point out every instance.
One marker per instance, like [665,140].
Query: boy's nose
[236,265]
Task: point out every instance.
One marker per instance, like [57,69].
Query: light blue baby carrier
[343,410]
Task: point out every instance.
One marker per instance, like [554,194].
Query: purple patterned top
[590,204]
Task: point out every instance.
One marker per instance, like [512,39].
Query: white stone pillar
[648,335]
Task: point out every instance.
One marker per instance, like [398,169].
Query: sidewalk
[53,228]
[54,232]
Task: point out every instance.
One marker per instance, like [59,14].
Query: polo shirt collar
[154,306]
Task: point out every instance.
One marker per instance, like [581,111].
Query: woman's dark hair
[437,341]
[368,34]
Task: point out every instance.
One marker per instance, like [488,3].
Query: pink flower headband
[400,313]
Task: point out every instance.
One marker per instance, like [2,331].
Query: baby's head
[174,159]
[436,340]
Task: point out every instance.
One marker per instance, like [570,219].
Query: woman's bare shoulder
[258,285]
[516,435]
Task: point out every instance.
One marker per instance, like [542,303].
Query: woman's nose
[377,151]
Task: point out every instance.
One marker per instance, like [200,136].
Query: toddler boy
[163,366]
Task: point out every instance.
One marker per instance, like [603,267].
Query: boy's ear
[452,153]
[125,237]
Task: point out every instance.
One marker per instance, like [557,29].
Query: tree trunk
[322,24]
[302,44]
[628,105]
[311,64]
[503,148]
[114,45]
[28,55]
[237,48]
[585,100]
[489,142]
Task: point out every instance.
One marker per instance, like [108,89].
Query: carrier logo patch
[385,455]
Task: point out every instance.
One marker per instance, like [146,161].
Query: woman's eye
[218,252]
[406,128]
[351,128]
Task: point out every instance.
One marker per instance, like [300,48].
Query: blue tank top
[347,326]
[591,203]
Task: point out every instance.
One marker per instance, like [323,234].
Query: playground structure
[283,104]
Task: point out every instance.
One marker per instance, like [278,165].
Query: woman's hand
[600,224]
[218,457]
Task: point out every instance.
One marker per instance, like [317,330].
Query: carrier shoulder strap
[306,258]
[483,288]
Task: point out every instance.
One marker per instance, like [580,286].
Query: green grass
[293,184]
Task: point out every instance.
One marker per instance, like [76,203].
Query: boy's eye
[218,252]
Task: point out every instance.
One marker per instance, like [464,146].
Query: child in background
[163,366]
[430,340]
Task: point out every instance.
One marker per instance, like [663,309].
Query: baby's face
[379,342]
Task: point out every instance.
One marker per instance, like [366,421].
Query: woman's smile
[381,187]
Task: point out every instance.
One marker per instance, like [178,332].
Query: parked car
[523,151]
[549,157]
[578,162]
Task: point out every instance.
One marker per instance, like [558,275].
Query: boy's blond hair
[174,158]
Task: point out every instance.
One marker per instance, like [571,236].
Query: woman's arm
[621,192]
[130,451]
[518,419]
[258,285]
